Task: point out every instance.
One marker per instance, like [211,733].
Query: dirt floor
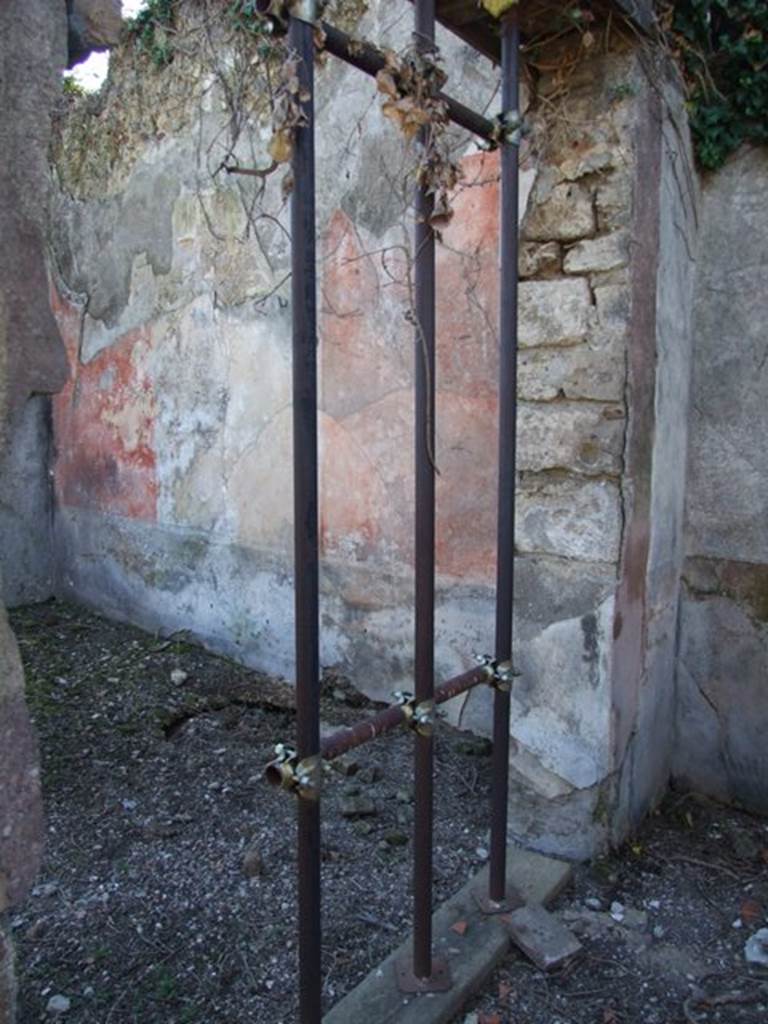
[168,893]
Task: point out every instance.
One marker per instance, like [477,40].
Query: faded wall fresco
[723,654]
[173,437]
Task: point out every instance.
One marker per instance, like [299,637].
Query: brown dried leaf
[281,146]
[386,84]
[460,927]
[750,912]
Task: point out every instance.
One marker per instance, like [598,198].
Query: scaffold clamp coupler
[509,127]
[300,777]
[419,716]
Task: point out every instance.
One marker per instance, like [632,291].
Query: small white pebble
[57,1005]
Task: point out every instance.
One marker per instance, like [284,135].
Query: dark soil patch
[687,892]
[154,794]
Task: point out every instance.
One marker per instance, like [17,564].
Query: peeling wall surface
[723,659]
[32,363]
[173,468]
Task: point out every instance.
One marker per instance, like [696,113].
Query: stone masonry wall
[33,50]
[173,477]
[723,652]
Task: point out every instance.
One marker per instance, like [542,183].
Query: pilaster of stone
[664,245]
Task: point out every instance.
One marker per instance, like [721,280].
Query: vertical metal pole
[305,501]
[510,100]
[424,288]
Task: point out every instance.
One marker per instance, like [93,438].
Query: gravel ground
[167,892]
[168,895]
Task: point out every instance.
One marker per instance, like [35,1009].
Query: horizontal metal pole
[371,60]
[391,718]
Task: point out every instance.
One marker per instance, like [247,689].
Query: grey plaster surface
[722,671]
[26,512]
[728,463]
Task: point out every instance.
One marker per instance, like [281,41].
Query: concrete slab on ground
[472,950]
[542,937]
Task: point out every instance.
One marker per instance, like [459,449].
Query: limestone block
[565,213]
[588,159]
[613,308]
[613,202]
[595,255]
[553,312]
[585,437]
[539,259]
[594,370]
[561,704]
[569,517]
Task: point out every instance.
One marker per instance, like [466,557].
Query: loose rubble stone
[554,312]
[345,766]
[404,816]
[370,774]
[253,865]
[542,937]
[395,837]
[637,919]
[756,948]
[179,676]
[58,1005]
[358,807]
[598,254]
[474,746]
[565,214]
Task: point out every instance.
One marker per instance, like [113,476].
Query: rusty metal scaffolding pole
[391,718]
[510,99]
[305,503]
[424,373]
[371,60]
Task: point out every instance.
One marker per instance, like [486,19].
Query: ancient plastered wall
[723,657]
[31,355]
[173,470]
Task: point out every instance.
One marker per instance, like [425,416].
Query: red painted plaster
[366,371]
[103,424]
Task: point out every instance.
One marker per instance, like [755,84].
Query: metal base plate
[512,900]
[438,981]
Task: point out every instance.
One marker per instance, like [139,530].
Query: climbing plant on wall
[722,46]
